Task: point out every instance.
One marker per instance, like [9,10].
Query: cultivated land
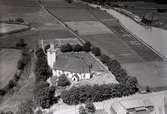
[8,65]
[10,28]
[117,42]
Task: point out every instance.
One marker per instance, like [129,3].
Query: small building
[132,107]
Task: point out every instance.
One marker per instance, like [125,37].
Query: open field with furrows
[8,65]
[88,27]
[142,50]
[72,14]
[114,47]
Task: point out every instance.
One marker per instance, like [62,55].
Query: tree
[77,48]
[90,107]
[44,97]
[19,19]
[46,48]
[21,43]
[69,1]
[87,46]
[40,53]
[82,110]
[96,51]
[66,48]
[63,81]
[104,58]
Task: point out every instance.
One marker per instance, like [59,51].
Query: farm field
[119,43]
[8,28]
[72,14]
[88,27]
[142,50]
[8,65]
[114,47]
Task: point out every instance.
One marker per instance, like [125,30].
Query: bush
[87,46]
[82,110]
[96,93]
[44,97]
[105,59]
[42,69]
[63,81]
[69,1]
[20,20]
[11,84]
[113,64]
[21,43]
[66,48]
[96,51]
[77,48]
[90,107]
[21,64]
[2,92]
[40,53]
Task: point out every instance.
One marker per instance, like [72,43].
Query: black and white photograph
[83,56]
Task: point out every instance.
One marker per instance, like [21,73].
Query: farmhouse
[73,66]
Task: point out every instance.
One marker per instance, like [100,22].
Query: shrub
[44,97]
[82,110]
[105,59]
[69,1]
[40,53]
[19,19]
[96,51]
[77,48]
[96,93]
[2,92]
[66,48]
[20,64]
[89,106]
[46,48]
[21,43]
[11,84]
[63,81]
[87,46]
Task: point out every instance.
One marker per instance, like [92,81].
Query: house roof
[71,62]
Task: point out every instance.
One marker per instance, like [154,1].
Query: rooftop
[71,62]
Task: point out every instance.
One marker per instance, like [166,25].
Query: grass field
[8,65]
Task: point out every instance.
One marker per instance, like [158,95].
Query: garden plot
[8,65]
[88,27]
[72,14]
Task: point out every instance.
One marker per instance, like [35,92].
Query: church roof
[71,62]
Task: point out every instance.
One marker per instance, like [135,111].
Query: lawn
[8,65]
